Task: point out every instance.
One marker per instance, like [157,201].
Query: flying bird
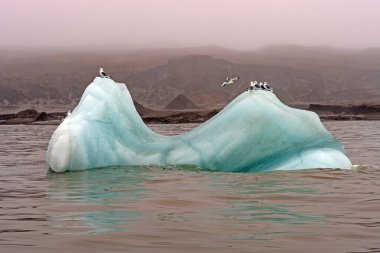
[230,80]
[103,74]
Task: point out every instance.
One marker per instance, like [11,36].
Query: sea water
[183,209]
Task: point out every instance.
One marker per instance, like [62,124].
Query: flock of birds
[254,85]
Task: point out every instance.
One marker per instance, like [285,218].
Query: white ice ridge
[255,132]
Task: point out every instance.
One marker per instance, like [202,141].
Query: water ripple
[181,209]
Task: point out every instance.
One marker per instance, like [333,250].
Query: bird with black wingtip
[103,74]
[230,80]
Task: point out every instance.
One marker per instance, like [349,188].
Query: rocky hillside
[199,78]
[155,77]
[181,102]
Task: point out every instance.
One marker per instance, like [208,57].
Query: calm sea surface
[169,209]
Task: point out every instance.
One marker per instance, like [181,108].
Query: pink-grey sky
[239,24]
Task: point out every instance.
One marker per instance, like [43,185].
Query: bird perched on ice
[103,74]
[230,80]
[267,87]
[257,85]
[252,85]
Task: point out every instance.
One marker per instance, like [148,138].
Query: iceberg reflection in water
[255,132]
[123,198]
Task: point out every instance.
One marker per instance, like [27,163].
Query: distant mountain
[199,78]
[156,76]
[181,102]
[371,52]
[297,51]
[142,110]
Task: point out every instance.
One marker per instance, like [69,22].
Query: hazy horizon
[240,25]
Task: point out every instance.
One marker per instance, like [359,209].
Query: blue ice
[256,132]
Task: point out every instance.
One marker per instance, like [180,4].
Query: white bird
[252,86]
[103,74]
[267,87]
[256,85]
[230,80]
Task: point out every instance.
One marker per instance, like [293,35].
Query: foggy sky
[239,24]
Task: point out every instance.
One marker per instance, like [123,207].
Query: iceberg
[256,132]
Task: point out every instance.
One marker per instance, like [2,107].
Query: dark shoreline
[149,116]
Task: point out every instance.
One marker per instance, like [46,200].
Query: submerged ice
[255,132]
